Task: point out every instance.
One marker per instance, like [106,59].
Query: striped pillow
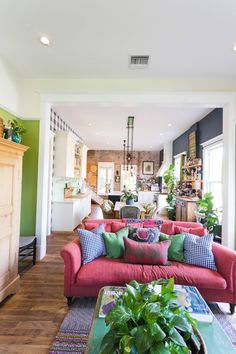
[198,251]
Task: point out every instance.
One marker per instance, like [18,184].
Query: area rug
[73,334]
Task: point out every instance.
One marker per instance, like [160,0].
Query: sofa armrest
[226,264]
[71,253]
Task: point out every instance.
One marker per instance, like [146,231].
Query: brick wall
[116,156]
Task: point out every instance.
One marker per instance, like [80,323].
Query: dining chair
[130,212]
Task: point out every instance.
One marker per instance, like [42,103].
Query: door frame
[225,100]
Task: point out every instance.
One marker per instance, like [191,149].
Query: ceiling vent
[139,61]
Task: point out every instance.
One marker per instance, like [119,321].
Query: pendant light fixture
[128,145]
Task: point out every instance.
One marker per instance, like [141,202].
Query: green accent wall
[5,115]
[29,178]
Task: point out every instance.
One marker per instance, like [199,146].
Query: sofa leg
[69,300]
[232,308]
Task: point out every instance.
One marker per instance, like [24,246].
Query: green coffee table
[217,342]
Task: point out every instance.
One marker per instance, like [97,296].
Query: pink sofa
[86,280]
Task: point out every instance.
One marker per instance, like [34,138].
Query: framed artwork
[117,179]
[148,167]
[192,145]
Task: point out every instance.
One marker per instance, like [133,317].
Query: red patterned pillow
[117,226]
[168,228]
[199,231]
[146,253]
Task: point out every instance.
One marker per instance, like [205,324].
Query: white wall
[9,88]
[31,89]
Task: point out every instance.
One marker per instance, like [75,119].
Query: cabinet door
[184,216]
[178,210]
[10,192]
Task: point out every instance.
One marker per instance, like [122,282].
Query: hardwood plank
[30,320]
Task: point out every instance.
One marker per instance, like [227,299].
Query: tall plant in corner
[170,179]
[207,212]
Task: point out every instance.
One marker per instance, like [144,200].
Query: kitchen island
[68,213]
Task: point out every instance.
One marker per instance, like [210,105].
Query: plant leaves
[157,332]
[118,314]
[126,344]
[133,292]
[176,337]
[181,323]
[159,349]
[143,339]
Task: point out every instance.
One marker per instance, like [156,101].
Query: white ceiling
[103,126]
[185,39]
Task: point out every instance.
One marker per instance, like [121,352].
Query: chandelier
[128,145]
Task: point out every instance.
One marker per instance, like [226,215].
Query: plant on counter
[207,213]
[128,197]
[170,179]
[149,322]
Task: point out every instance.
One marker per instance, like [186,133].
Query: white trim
[226,100]
[180,154]
[212,141]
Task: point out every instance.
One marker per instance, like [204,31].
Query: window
[105,177]
[212,172]
[179,161]
[128,178]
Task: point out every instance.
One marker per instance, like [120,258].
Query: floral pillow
[148,235]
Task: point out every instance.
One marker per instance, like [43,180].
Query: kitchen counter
[73,199]
[68,213]
[187,198]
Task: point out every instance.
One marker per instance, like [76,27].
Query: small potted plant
[128,197]
[17,131]
[144,321]
[170,179]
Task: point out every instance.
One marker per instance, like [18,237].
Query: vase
[16,138]
[129,201]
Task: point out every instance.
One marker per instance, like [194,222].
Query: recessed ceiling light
[90,124]
[44,40]
[234,47]
[169,125]
[150,147]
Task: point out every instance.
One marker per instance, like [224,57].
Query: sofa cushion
[92,243]
[117,225]
[199,231]
[144,234]
[198,251]
[114,242]
[105,271]
[176,249]
[91,225]
[146,253]
[168,228]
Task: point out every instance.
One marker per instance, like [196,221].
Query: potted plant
[17,131]
[207,214]
[128,197]
[170,179]
[144,321]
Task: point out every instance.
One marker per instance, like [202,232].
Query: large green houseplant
[144,321]
[207,213]
[170,179]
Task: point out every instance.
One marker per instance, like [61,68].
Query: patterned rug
[73,334]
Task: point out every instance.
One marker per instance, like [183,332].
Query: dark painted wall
[206,129]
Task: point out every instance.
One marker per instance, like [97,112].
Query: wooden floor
[29,320]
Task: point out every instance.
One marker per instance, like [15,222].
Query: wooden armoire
[11,155]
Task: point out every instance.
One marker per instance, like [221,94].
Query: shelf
[77,167]
[192,166]
[191,180]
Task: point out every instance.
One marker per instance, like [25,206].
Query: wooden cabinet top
[10,146]
[187,199]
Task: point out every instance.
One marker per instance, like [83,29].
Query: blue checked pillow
[92,243]
[198,251]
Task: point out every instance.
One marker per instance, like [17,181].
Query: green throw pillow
[114,242]
[176,249]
